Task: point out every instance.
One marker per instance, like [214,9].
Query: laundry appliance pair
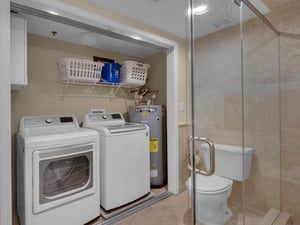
[64,172]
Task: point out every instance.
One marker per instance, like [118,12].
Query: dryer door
[61,175]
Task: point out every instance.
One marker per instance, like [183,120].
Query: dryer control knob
[104,117]
[48,120]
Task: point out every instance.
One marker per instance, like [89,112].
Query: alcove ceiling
[45,27]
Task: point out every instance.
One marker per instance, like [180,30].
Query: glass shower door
[234,83]
[216,106]
[261,118]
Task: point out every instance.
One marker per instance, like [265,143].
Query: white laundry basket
[80,70]
[134,73]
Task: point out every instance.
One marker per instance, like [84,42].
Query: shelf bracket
[64,90]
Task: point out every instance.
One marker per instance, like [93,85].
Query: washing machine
[57,171]
[154,117]
[124,159]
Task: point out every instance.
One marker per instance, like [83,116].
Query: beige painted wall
[47,95]
[184,173]
[157,79]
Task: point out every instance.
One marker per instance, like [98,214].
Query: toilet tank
[229,161]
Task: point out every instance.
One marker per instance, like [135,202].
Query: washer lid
[210,184]
[128,127]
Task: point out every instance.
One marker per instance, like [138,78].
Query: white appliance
[57,171]
[233,163]
[18,35]
[124,158]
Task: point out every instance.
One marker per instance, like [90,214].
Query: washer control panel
[104,119]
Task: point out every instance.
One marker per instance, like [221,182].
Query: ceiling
[44,27]
[170,15]
[165,15]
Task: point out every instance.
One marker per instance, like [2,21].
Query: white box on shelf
[18,52]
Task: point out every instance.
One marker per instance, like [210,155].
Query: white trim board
[5,118]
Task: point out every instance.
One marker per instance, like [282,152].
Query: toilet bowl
[211,199]
[231,163]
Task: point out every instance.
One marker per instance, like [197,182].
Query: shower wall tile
[285,16]
[290,140]
[236,194]
[290,108]
[218,104]
[261,111]
[291,167]
[290,58]
[290,200]
[209,109]
[269,192]
[289,19]
[232,113]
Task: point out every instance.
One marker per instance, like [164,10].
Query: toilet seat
[210,184]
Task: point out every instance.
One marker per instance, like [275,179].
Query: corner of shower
[235,101]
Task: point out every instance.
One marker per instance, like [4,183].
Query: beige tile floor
[170,211]
[174,210]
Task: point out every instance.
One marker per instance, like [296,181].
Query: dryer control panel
[42,124]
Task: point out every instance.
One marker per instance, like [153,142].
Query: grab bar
[211,145]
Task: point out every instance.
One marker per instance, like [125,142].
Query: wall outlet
[181,107]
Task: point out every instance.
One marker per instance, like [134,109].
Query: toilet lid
[210,184]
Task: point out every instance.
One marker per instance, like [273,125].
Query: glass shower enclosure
[235,101]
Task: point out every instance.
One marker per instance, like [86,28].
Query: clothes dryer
[124,158]
[57,171]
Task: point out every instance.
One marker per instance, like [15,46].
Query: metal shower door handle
[211,145]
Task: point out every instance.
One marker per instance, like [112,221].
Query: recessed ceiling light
[136,37]
[52,12]
[200,10]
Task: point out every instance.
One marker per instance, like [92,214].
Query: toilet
[213,191]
